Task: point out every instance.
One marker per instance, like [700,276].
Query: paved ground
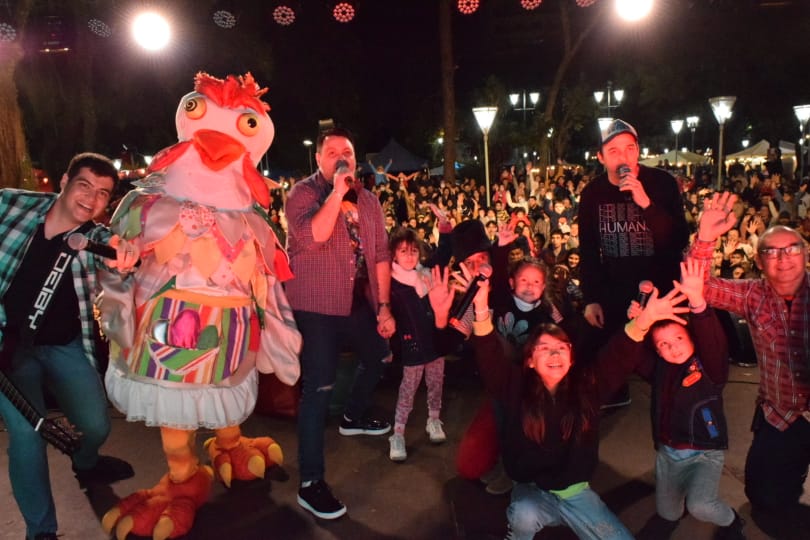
[422,498]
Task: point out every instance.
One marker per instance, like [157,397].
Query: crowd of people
[561,261]
[541,287]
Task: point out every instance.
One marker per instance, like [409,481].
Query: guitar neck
[19,401]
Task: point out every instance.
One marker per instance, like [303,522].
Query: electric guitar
[62,437]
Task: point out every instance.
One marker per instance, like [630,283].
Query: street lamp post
[802,115]
[308,144]
[617,95]
[534,98]
[677,126]
[721,107]
[692,123]
[485,116]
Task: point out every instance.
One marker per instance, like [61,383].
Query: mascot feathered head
[226,123]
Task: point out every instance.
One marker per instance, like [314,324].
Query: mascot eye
[195,108]
[248,124]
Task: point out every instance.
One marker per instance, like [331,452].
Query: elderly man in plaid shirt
[52,347]
[777,308]
[338,250]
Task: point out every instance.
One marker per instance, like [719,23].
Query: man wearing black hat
[632,228]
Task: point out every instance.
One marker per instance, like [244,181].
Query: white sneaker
[434,429]
[397,452]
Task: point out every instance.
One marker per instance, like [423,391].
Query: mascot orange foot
[164,511]
[168,509]
[234,456]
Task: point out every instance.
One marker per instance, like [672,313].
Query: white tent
[683,158]
[759,151]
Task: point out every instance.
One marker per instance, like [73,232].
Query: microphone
[79,242]
[645,289]
[342,167]
[484,272]
[623,170]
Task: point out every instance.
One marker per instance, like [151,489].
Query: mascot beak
[217,150]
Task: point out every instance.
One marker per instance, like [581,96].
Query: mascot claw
[164,511]
[247,460]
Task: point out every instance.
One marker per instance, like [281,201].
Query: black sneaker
[44,536]
[733,531]
[367,426]
[107,470]
[318,499]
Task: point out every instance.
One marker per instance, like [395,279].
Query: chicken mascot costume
[205,309]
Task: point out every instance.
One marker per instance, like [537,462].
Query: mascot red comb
[205,309]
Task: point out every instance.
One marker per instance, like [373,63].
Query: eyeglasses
[773,253]
[545,350]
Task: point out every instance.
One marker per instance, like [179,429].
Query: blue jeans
[532,509]
[65,371]
[324,337]
[692,476]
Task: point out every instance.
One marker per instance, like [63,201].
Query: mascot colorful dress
[205,308]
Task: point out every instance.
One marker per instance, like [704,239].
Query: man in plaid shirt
[58,354]
[777,308]
[338,250]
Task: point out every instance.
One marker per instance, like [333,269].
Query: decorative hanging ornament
[585,3]
[530,4]
[468,7]
[284,15]
[99,28]
[343,12]
[7,33]
[224,19]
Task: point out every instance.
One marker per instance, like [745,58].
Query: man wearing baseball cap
[632,228]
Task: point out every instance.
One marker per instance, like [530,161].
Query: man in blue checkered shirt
[52,347]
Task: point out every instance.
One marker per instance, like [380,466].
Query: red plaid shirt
[781,336]
[324,271]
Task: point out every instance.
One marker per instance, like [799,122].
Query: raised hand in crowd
[658,309]
[506,234]
[717,217]
[441,294]
[693,272]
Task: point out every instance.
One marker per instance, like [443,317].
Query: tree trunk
[15,164]
[571,48]
[448,89]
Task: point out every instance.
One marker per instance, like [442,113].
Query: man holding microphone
[338,250]
[632,228]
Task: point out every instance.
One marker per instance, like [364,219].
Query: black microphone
[623,170]
[79,242]
[342,167]
[645,289]
[484,272]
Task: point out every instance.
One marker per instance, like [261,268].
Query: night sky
[379,75]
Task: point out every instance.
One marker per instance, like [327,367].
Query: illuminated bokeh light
[99,28]
[343,12]
[151,31]
[633,10]
[7,33]
[530,4]
[224,19]
[284,15]
[468,7]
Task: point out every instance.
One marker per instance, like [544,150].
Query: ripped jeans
[324,338]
